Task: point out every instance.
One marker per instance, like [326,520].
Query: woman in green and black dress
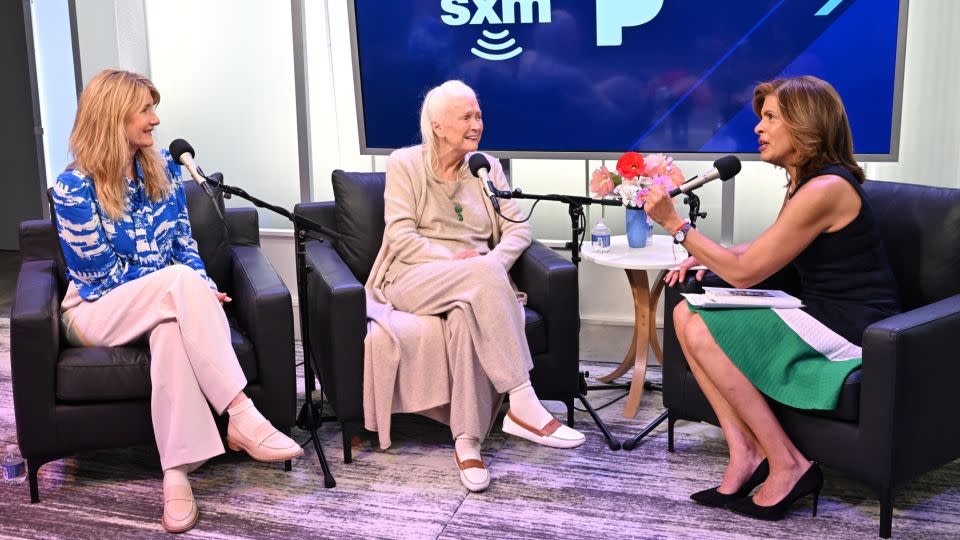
[799,357]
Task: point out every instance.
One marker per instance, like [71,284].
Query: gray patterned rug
[413,491]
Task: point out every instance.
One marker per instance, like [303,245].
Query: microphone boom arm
[296,219]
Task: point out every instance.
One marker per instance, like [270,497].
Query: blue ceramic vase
[638,229]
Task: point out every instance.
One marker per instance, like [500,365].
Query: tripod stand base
[630,444]
[306,422]
[612,443]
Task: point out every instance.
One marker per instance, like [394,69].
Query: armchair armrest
[34,349]
[243,224]
[550,281]
[263,308]
[39,241]
[338,325]
[909,386]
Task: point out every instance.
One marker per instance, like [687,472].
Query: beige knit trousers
[485,340]
[191,359]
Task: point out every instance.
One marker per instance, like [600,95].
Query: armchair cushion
[848,403]
[116,373]
[103,373]
[359,210]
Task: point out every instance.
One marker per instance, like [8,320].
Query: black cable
[526,219]
[565,199]
[583,230]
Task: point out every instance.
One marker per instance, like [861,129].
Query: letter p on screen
[615,15]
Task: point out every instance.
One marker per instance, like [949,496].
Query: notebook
[720,297]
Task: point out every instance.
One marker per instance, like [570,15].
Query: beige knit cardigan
[420,384]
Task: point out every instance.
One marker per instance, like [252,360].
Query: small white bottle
[14,468]
[600,237]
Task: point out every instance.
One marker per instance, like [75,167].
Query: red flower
[630,165]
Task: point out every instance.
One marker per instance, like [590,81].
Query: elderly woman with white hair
[447,253]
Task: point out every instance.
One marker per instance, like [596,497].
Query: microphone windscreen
[727,166]
[478,161]
[178,148]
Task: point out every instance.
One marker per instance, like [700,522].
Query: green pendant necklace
[459,210]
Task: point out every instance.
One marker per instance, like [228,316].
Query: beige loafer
[266,444]
[180,512]
[554,434]
[473,473]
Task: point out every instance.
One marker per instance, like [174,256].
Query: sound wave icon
[496,47]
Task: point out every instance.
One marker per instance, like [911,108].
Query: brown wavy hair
[817,121]
[99,142]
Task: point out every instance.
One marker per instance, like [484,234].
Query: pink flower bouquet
[635,176]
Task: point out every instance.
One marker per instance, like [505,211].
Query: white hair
[434,104]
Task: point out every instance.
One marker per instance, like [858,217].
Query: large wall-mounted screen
[592,78]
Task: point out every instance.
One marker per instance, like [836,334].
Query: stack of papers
[719,297]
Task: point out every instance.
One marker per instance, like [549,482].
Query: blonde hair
[434,104]
[99,142]
[817,121]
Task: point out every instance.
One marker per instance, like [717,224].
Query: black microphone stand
[309,418]
[578,226]
[693,201]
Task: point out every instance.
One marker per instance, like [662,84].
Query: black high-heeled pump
[810,483]
[714,499]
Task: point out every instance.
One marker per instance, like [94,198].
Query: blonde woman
[446,252]
[134,272]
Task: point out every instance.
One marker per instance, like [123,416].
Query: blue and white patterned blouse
[102,254]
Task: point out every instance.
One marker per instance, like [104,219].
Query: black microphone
[724,168]
[480,168]
[182,153]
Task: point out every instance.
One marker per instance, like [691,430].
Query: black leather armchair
[894,419]
[338,322]
[69,400]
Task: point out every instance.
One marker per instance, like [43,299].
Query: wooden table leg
[629,359]
[654,300]
[640,287]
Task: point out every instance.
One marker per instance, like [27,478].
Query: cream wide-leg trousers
[191,359]
[485,339]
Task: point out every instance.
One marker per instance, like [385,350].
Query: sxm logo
[612,17]
[458,13]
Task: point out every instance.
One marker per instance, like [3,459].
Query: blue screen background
[681,83]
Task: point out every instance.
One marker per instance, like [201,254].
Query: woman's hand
[222,297]
[659,206]
[466,254]
[678,275]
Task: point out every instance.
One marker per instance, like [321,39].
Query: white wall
[930,134]
[55,80]
[111,33]
[227,86]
